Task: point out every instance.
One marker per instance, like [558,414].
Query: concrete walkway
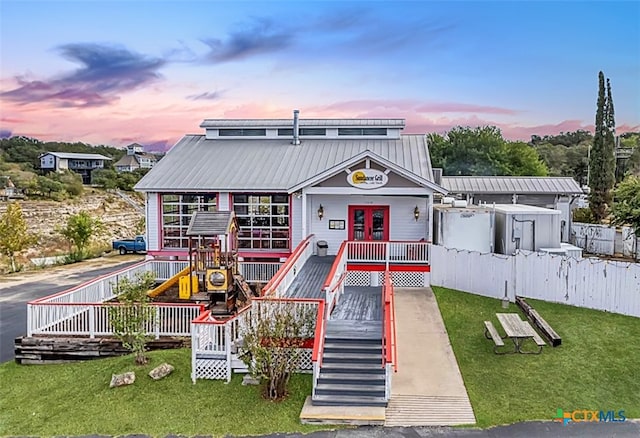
[428,389]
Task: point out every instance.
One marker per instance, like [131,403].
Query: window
[176,214]
[362,131]
[303,132]
[263,220]
[242,132]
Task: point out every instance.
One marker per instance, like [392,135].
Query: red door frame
[368,220]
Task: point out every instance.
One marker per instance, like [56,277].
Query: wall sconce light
[416,213]
[320,212]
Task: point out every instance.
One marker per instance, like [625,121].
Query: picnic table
[516,329]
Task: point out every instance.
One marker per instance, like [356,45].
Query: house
[82,164]
[135,158]
[558,193]
[286,179]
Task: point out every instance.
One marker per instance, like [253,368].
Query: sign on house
[367,179]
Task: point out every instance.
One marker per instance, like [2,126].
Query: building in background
[136,158]
[82,164]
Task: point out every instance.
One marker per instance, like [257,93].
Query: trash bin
[322,248]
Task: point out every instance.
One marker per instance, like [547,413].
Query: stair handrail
[336,277]
[272,284]
[390,353]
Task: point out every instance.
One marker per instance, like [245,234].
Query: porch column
[304,214]
[429,215]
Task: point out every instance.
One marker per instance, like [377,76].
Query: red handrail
[284,269]
[334,267]
[389,329]
[318,338]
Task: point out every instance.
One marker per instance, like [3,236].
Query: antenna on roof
[296,127]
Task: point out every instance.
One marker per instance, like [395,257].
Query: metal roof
[210,223]
[196,163]
[77,156]
[288,123]
[511,184]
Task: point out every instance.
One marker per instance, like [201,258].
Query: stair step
[368,368]
[334,348]
[340,339]
[363,357]
[349,390]
[336,400]
[351,378]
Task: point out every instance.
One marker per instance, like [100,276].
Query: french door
[368,222]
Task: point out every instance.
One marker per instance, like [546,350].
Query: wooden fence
[591,282]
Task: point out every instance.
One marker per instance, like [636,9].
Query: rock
[161,371]
[248,379]
[122,379]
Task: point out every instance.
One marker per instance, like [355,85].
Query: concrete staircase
[351,372]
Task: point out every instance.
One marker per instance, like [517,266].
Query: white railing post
[227,347]
[194,350]
[30,321]
[92,323]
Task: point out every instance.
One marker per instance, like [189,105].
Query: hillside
[120,220]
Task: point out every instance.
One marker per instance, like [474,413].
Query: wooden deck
[359,303]
[309,282]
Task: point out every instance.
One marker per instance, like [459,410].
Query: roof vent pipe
[296,127]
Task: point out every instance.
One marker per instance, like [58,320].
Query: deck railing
[281,281]
[334,284]
[388,252]
[259,272]
[93,319]
[48,315]
[217,339]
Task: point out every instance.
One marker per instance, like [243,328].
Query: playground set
[212,277]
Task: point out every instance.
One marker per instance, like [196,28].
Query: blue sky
[150,71]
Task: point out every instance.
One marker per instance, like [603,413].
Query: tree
[602,157]
[79,230]
[523,160]
[131,317]
[626,209]
[14,236]
[482,151]
[272,342]
[106,178]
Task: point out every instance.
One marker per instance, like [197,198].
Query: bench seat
[490,332]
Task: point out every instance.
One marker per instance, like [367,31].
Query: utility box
[322,248]
[469,228]
[525,227]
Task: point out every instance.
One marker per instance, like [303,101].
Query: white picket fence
[592,283]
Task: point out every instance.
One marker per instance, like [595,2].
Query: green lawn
[75,399]
[596,367]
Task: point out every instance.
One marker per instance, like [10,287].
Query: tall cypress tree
[602,156]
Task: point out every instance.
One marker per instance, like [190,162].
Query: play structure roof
[211,223]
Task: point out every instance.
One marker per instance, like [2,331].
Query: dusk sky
[119,72]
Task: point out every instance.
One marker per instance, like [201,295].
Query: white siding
[47,162]
[402,225]
[296,221]
[153,233]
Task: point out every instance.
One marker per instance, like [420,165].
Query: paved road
[16,292]
[533,429]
